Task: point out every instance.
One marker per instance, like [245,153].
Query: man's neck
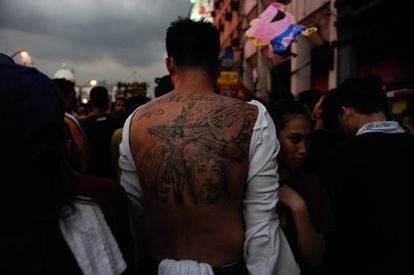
[192,80]
[364,119]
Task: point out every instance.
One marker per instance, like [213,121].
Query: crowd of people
[194,182]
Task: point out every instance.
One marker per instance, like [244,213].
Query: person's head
[329,114]
[293,126]
[310,99]
[193,45]
[67,88]
[357,103]
[407,120]
[133,102]
[164,85]
[32,144]
[98,97]
[119,105]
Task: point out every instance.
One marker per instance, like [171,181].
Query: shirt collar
[387,127]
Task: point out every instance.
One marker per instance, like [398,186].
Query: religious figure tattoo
[194,150]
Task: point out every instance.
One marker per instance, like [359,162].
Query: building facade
[355,38]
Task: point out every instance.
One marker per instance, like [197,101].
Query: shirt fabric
[99,129]
[266,250]
[78,135]
[369,177]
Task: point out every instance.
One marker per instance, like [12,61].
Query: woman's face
[293,141]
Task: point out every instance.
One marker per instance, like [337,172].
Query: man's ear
[347,113]
[170,64]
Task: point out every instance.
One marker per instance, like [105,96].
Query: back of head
[31,115]
[99,97]
[330,112]
[193,44]
[309,98]
[364,97]
[284,110]
[65,86]
[133,102]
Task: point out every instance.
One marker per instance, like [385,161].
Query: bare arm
[310,244]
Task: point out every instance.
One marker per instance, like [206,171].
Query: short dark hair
[309,98]
[364,97]
[193,44]
[65,86]
[133,102]
[99,97]
[330,111]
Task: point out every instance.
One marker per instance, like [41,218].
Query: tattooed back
[191,153]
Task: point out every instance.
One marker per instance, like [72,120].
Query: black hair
[329,113]
[65,86]
[99,97]
[361,95]
[309,98]
[133,102]
[194,44]
[284,110]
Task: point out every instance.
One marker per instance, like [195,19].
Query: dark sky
[116,40]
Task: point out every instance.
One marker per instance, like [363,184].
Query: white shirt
[266,250]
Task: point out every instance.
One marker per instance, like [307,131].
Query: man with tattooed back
[200,170]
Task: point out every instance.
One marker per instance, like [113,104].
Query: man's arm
[266,250]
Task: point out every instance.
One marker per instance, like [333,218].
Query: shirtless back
[191,152]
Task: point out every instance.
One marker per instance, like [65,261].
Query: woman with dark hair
[304,209]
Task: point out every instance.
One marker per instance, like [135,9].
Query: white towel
[91,241]
[184,267]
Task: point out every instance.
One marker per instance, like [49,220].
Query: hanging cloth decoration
[276,28]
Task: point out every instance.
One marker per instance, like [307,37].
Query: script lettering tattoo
[196,148]
[156,112]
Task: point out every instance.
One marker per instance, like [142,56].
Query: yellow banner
[228,77]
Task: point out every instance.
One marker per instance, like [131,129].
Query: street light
[26,59]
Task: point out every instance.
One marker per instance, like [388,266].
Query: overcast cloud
[99,39]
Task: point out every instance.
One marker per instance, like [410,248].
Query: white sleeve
[266,250]
[129,177]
